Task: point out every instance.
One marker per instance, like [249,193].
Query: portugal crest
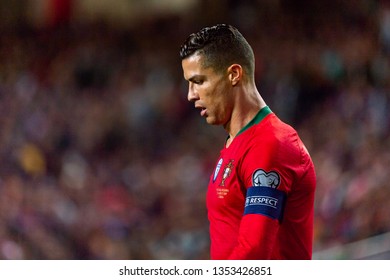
[226,172]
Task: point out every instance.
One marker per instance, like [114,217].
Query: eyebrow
[194,77]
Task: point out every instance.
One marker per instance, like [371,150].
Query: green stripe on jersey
[257,119]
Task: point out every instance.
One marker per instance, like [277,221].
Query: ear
[235,74]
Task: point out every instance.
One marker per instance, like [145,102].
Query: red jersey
[260,198]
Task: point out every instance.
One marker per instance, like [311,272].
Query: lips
[203,110]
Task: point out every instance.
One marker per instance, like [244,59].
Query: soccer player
[260,197]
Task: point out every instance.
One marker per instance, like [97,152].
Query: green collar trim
[257,119]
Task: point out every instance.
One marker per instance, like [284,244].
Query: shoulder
[272,130]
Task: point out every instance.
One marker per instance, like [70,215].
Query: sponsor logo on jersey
[262,178]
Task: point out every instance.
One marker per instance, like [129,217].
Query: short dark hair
[222,45]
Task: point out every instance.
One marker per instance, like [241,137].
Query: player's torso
[228,182]
[231,177]
[225,202]
[226,192]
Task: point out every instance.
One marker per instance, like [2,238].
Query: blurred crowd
[102,157]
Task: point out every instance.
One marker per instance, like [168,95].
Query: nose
[192,95]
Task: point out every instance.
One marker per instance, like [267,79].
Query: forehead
[194,65]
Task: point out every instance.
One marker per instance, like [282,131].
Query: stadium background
[101,157]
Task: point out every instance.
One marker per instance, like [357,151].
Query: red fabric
[271,146]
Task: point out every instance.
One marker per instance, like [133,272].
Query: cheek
[216,92]
[221,107]
[216,96]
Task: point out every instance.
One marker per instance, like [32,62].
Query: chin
[213,121]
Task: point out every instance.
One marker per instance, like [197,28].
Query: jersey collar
[257,119]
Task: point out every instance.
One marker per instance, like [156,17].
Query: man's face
[210,91]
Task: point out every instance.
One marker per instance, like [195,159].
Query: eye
[198,82]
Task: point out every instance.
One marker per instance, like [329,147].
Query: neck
[247,104]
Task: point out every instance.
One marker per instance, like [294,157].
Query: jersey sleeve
[266,188]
